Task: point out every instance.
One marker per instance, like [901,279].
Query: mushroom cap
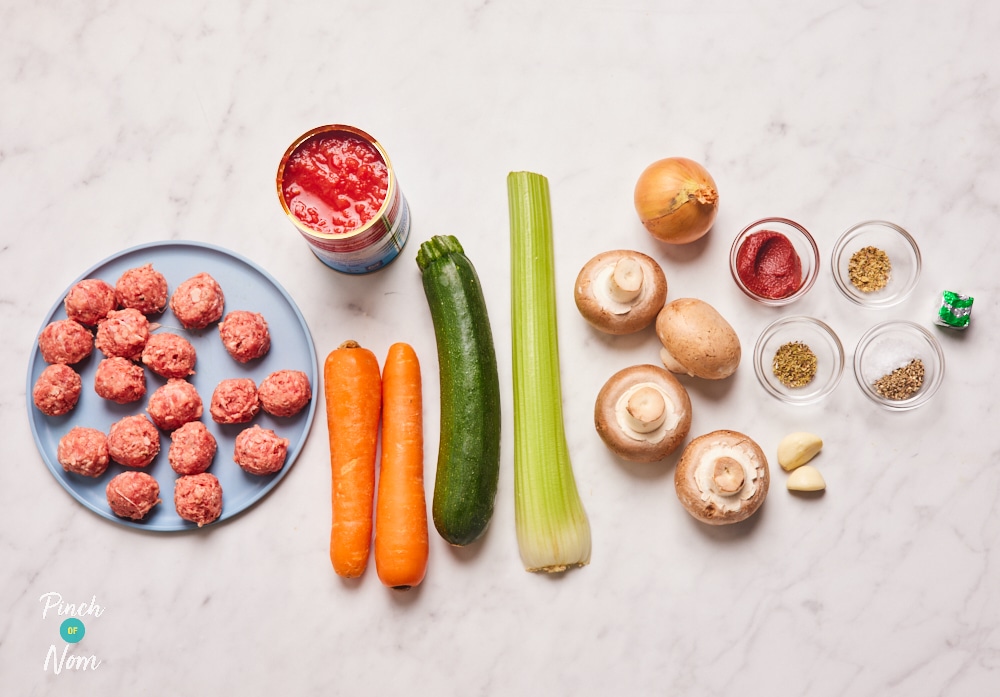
[707,450]
[697,340]
[660,442]
[644,308]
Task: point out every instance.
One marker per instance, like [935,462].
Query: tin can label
[374,256]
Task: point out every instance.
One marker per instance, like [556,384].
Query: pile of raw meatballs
[115,320]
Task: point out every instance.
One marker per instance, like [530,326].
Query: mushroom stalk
[642,413]
[645,410]
[722,477]
[625,281]
[728,476]
[620,291]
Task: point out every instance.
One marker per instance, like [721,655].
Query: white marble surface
[124,123]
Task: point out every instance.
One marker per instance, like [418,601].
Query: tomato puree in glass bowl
[768,265]
[335,182]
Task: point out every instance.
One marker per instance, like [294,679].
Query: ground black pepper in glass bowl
[899,365]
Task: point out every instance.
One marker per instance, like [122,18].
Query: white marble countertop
[123,125]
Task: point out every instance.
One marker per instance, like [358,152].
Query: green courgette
[468,463]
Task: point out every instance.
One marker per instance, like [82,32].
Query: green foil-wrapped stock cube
[955,310]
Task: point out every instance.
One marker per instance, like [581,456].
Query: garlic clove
[806,478]
[796,449]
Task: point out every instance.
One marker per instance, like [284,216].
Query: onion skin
[676,200]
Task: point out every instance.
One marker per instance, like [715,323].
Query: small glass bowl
[891,345]
[904,257]
[819,338]
[805,247]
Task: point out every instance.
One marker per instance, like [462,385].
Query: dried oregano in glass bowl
[798,360]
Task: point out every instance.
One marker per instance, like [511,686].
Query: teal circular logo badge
[72,630]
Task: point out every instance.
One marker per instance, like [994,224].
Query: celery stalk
[553,533]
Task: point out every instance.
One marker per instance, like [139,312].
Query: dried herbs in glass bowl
[876,264]
[798,360]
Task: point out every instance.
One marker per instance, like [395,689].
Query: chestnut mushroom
[620,292]
[722,477]
[697,340]
[643,413]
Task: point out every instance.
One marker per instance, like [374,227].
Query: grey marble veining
[123,124]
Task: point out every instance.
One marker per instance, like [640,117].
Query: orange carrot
[401,544]
[353,401]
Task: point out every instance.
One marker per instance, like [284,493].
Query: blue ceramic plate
[246,287]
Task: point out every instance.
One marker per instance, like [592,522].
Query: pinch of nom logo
[71,632]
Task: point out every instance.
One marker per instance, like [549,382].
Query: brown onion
[676,200]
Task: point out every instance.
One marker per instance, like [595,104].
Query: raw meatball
[120,380]
[260,451]
[234,401]
[174,404]
[192,448]
[57,390]
[169,355]
[132,495]
[90,301]
[142,288]
[84,451]
[198,301]
[198,498]
[133,441]
[245,335]
[65,341]
[123,333]
[285,392]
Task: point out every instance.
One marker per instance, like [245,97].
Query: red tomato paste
[768,265]
[335,182]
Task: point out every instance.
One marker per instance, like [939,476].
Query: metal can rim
[373,221]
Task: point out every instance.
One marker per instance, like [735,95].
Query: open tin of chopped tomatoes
[337,186]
